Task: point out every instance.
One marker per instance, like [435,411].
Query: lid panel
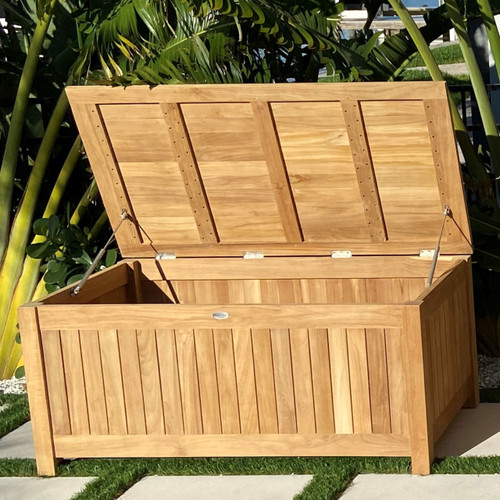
[320,166]
[283,169]
[234,172]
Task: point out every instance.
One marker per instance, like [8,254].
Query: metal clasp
[446,213]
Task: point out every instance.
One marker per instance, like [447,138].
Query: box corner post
[473,398]
[416,358]
[37,391]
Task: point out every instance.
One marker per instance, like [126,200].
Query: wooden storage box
[273,297]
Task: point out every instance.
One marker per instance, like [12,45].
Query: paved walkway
[475,432]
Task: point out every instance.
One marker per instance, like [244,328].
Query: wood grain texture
[37,392]
[364,170]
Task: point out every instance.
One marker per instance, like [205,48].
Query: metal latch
[165,256]
[446,213]
[343,254]
[253,255]
[99,256]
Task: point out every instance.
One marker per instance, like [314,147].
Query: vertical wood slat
[264,380]
[277,171]
[75,383]
[94,384]
[226,377]
[37,390]
[99,151]
[322,385]
[190,172]
[364,170]
[341,384]
[360,386]
[396,381]
[150,376]
[56,382]
[283,380]
[188,378]
[379,384]
[245,376]
[132,383]
[207,374]
[303,382]
[113,384]
[169,377]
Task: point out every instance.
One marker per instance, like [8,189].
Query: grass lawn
[448,54]
[331,474]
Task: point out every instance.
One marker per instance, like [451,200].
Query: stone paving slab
[33,488]
[18,443]
[434,487]
[218,487]
[475,432]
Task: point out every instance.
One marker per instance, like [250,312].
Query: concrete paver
[218,487]
[475,432]
[18,443]
[434,487]
[33,488]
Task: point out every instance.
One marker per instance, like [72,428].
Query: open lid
[284,169]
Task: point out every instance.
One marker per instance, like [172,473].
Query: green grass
[331,474]
[449,54]
[15,415]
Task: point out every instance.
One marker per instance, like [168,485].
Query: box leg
[417,373]
[473,399]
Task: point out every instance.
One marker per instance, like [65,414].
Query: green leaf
[19,372]
[40,250]
[57,274]
[74,279]
[84,259]
[111,256]
[18,338]
[40,227]
[53,226]
[50,287]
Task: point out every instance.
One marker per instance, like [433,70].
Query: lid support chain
[99,256]
[446,213]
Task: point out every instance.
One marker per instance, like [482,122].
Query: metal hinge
[165,256]
[344,254]
[426,253]
[253,255]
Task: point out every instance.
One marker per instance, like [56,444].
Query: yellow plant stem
[14,136]
[10,351]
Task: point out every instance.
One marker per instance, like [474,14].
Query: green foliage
[16,413]
[449,54]
[66,251]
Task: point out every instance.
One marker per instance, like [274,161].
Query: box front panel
[225,381]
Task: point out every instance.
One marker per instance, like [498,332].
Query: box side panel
[206,386]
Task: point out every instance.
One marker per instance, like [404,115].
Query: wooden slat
[360,386]
[188,379]
[364,170]
[133,385]
[437,112]
[193,182]
[240,316]
[277,171]
[37,391]
[235,445]
[150,375]
[75,383]
[113,384]
[379,385]
[341,384]
[303,383]
[94,384]
[169,376]
[396,381]
[226,377]
[245,378]
[283,381]
[322,384]
[264,381]
[99,151]
[56,382]
[248,93]
[207,374]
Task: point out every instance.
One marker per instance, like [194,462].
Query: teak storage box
[272,300]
